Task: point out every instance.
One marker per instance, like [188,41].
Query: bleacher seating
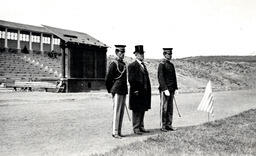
[34,85]
[52,66]
[28,67]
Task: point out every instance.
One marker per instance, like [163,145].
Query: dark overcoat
[167,76]
[140,89]
[116,78]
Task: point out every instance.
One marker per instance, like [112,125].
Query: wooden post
[52,46]
[30,43]
[18,41]
[42,44]
[95,64]
[63,62]
[6,40]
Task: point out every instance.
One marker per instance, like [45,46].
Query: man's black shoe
[121,135]
[143,130]
[169,129]
[116,136]
[164,130]
[138,132]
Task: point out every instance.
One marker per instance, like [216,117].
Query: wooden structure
[36,39]
[85,66]
[33,85]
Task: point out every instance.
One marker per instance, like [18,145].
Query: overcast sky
[191,27]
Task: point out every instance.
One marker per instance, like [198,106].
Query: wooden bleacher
[29,70]
[33,85]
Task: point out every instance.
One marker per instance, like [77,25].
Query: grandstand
[32,55]
[16,67]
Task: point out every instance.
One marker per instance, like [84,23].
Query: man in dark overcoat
[167,86]
[116,84]
[140,90]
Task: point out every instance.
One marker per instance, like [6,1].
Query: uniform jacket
[167,76]
[116,78]
[140,89]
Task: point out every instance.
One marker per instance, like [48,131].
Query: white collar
[168,60]
[140,63]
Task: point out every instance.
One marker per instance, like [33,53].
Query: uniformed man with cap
[116,84]
[140,90]
[167,86]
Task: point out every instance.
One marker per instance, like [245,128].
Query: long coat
[116,78]
[140,89]
[167,76]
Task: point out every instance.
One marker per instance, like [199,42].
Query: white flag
[206,103]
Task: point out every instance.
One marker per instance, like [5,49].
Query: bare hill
[226,72]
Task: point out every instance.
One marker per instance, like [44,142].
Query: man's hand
[166,93]
[176,92]
[136,93]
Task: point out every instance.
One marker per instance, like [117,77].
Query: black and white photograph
[127,77]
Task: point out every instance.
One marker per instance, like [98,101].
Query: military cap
[139,49]
[167,50]
[120,48]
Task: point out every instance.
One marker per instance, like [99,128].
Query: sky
[190,27]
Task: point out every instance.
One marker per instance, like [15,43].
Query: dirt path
[41,123]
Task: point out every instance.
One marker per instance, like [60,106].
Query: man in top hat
[140,90]
[167,86]
[116,84]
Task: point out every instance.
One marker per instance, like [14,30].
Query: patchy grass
[80,124]
[231,136]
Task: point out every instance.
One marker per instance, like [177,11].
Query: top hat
[139,49]
[167,50]
[120,48]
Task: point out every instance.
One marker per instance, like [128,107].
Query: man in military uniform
[140,90]
[116,84]
[167,86]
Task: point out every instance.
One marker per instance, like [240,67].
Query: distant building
[15,36]
[85,66]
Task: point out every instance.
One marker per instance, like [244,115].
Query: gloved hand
[136,93]
[166,93]
[176,92]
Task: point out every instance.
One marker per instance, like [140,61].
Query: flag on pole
[206,103]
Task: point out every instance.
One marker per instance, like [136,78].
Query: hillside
[193,73]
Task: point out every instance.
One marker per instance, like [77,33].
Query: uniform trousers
[118,113]
[138,120]
[166,110]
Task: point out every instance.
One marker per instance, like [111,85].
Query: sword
[125,108]
[176,106]
[127,113]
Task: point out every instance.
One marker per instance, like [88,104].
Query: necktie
[145,76]
[144,66]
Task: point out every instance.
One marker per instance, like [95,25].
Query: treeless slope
[226,72]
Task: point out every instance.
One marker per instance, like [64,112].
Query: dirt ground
[40,123]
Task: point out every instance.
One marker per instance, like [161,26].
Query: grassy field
[43,123]
[231,136]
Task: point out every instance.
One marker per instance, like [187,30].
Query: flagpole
[208,116]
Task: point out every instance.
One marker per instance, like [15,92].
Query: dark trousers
[166,110]
[138,120]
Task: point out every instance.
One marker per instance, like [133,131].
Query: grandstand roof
[66,35]
[74,36]
[25,27]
